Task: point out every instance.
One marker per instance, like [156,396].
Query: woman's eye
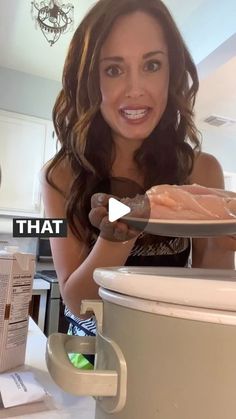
[113,71]
[152,66]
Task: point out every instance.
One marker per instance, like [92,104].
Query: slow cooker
[165,347]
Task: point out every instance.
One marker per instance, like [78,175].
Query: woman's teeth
[135,114]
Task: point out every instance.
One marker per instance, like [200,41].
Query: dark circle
[133,195]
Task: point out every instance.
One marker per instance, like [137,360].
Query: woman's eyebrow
[120,59]
[150,54]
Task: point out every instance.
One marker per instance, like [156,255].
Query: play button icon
[116,209]
[123,203]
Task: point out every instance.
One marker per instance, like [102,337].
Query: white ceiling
[218,93]
[25,49]
[209,31]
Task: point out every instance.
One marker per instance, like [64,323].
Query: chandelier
[53,17]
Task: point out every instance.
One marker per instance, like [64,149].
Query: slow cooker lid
[209,288]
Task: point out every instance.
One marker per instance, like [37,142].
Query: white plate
[184,228]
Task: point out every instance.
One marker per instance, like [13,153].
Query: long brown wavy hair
[166,156]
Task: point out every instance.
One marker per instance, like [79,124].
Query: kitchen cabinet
[39,301]
[230,181]
[26,143]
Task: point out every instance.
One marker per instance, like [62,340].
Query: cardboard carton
[16,281]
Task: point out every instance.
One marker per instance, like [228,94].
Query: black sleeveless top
[152,250]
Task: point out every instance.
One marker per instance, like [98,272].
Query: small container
[16,279]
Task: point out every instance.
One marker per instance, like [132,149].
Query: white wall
[222,147]
[211,24]
[27,94]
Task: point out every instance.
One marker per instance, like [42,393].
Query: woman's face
[134,76]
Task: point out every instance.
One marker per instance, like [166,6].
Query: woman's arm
[211,252]
[73,262]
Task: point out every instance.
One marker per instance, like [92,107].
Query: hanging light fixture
[53,17]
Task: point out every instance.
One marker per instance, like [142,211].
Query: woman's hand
[98,216]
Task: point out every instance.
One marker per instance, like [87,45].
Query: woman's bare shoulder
[207,171]
[60,175]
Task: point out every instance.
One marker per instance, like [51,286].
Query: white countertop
[40,284]
[59,404]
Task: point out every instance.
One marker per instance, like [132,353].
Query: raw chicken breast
[191,202]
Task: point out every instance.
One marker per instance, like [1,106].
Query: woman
[125,111]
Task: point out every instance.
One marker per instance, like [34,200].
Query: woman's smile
[135,115]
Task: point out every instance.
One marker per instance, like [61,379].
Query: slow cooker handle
[108,380]
[74,380]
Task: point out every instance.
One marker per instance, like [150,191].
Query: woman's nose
[134,86]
